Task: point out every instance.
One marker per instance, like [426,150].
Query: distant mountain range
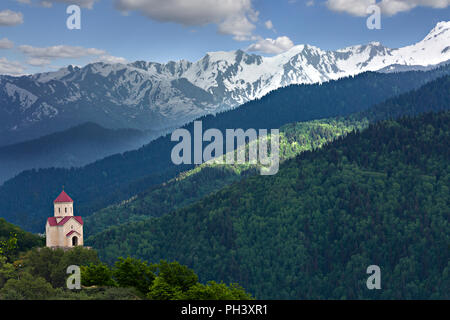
[74,147]
[120,176]
[295,138]
[148,95]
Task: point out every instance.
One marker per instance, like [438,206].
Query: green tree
[215,291]
[178,282]
[8,247]
[177,275]
[99,293]
[161,290]
[97,275]
[131,272]
[51,264]
[16,240]
[27,287]
[7,271]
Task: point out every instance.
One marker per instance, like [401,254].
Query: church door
[74,241]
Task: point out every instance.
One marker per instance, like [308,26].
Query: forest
[207,178]
[295,138]
[366,187]
[30,271]
[377,196]
[107,182]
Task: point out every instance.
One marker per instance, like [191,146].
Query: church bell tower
[64,230]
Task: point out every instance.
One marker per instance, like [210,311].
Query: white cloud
[310,3]
[49,3]
[45,56]
[10,18]
[272,46]
[238,26]
[46,4]
[234,17]
[388,7]
[393,7]
[82,3]
[6,44]
[38,62]
[112,59]
[269,25]
[61,51]
[353,7]
[194,12]
[12,68]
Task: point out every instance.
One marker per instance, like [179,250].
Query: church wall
[76,227]
[52,236]
[61,207]
[56,236]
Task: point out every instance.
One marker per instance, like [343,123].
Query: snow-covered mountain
[148,95]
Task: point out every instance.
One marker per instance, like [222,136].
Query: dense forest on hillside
[29,271]
[207,178]
[380,196]
[121,176]
[433,96]
[14,240]
[294,138]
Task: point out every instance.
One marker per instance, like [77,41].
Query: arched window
[65,210]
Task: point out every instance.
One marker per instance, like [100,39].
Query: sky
[34,36]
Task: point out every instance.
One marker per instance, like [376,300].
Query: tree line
[29,271]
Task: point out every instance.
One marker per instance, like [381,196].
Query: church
[64,230]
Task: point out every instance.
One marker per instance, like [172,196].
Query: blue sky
[34,36]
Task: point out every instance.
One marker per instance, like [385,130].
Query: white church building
[64,230]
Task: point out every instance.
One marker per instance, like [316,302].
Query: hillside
[294,138]
[75,147]
[25,240]
[379,196]
[207,178]
[121,176]
[31,271]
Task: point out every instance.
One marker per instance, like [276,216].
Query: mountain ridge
[294,139]
[372,197]
[74,147]
[149,95]
[120,176]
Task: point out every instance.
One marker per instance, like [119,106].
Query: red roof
[63,197]
[70,233]
[52,220]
